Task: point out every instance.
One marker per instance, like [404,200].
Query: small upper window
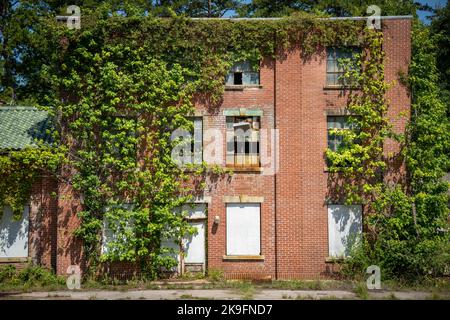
[335,67]
[242,73]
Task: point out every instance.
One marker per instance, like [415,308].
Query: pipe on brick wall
[275,156]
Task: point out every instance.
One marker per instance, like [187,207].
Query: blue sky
[422,14]
[433,4]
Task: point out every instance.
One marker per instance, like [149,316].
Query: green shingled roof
[21,126]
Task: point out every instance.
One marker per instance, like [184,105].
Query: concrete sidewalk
[221,294]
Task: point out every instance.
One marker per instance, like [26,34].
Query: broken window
[243,141]
[335,68]
[242,73]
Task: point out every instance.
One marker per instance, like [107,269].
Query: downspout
[275,154]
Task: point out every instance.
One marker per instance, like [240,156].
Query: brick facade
[294,239]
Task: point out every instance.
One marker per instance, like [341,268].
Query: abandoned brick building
[267,221]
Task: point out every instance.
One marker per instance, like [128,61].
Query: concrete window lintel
[243,112]
[243,199]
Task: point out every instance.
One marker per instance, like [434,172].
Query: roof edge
[407,17]
[8,107]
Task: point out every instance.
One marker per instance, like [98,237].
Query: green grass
[361,291]
[245,289]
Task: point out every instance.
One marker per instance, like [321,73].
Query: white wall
[243,229]
[344,228]
[14,234]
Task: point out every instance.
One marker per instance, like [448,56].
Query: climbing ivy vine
[405,211]
[123,85]
[20,169]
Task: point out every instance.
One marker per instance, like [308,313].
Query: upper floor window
[335,66]
[197,141]
[242,73]
[189,146]
[243,141]
[334,123]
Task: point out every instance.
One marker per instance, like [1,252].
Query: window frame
[336,139]
[337,72]
[244,255]
[243,159]
[247,72]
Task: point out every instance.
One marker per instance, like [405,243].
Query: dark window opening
[237,78]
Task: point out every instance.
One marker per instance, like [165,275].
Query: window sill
[241,87]
[339,87]
[245,169]
[252,258]
[334,260]
[23,259]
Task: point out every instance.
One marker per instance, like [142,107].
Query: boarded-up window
[14,234]
[243,141]
[344,228]
[243,229]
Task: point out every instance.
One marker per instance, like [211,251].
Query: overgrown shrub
[31,276]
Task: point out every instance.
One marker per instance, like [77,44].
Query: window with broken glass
[242,73]
[243,141]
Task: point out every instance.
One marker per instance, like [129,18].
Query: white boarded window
[243,229]
[344,228]
[14,234]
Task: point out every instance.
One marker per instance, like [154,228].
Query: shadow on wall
[14,234]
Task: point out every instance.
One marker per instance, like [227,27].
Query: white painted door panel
[243,229]
[195,244]
[14,234]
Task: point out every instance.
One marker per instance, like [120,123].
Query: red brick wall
[297,246]
[69,248]
[301,104]
[42,227]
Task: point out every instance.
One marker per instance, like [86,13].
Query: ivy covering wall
[120,86]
